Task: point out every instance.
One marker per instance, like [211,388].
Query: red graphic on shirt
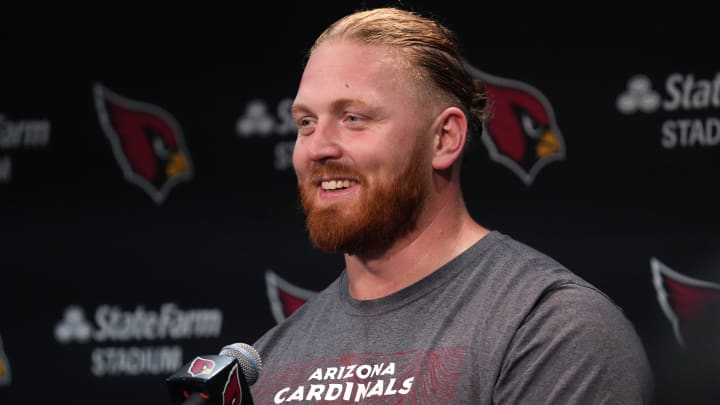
[416,376]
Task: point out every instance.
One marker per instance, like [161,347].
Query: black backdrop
[105,290]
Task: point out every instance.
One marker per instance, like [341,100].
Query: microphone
[222,379]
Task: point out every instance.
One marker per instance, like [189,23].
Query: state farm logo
[263,120]
[113,324]
[691,104]
[116,324]
[73,327]
[20,135]
[639,96]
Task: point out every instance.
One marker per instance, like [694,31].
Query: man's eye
[353,118]
[304,122]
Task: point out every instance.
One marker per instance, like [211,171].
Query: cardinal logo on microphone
[232,392]
[201,366]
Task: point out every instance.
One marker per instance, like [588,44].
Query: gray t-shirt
[499,324]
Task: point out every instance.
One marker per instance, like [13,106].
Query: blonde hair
[429,48]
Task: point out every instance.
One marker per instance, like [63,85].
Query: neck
[445,229]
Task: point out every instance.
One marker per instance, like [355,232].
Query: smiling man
[363,155]
[431,307]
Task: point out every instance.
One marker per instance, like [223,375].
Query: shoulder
[504,254]
[570,308]
[576,343]
[566,341]
[515,276]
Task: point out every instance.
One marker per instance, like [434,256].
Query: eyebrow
[297,108]
[337,105]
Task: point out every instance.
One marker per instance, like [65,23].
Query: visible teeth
[336,184]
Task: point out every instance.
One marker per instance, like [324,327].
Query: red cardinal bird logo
[285,297]
[232,392]
[146,140]
[683,299]
[201,366]
[4,366]
[521,132]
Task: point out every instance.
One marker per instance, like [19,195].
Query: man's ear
[450,129]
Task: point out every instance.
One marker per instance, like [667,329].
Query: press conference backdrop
[149,213]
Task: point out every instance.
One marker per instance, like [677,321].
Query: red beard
[385,212]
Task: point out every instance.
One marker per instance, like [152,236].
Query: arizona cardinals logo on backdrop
[521,132]
[684,300]
[285,298]
[4,366]
[146,140]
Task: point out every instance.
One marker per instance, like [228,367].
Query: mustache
[318,171]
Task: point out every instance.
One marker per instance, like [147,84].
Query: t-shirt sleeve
[575,347]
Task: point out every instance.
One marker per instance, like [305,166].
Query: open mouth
[336,185]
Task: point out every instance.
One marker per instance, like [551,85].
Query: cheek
[298,158]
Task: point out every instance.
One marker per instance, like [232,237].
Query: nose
[323,144]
